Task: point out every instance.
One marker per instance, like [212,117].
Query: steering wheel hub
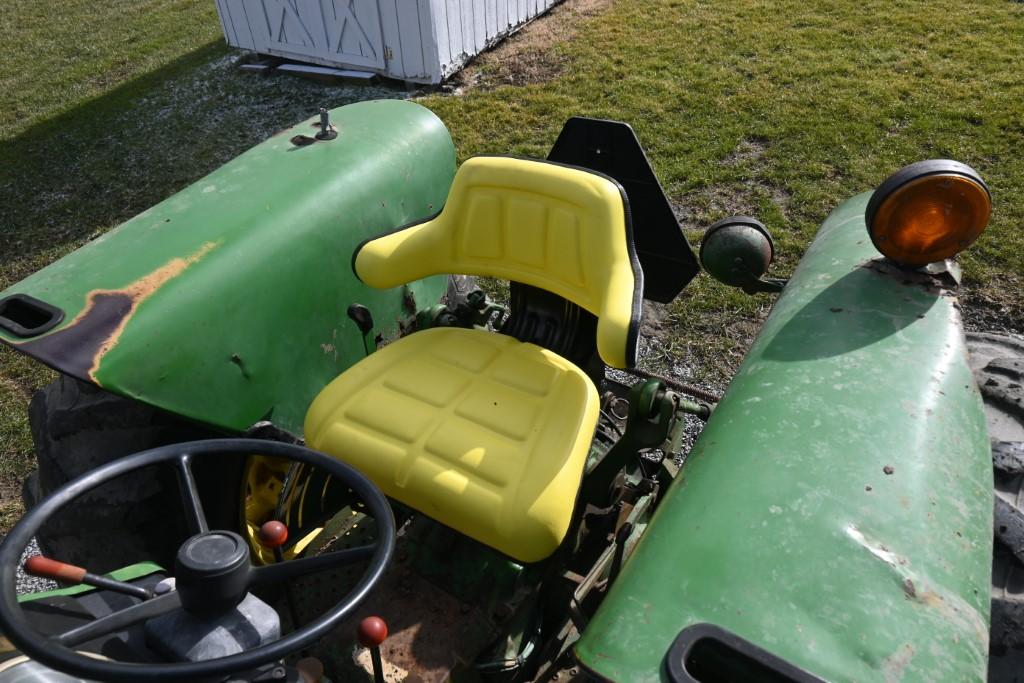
[211,571]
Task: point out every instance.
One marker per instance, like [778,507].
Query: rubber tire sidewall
[77,427]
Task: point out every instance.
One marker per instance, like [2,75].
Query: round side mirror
[737,251]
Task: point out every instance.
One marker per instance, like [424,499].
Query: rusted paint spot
[941,279]
[409,300]
[930,599]
[79,348]
[947,604]
[894,666]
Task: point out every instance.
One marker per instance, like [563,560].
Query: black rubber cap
[212,553]
[212,571]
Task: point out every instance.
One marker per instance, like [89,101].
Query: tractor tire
[77,427]
[459,287]
[998,365]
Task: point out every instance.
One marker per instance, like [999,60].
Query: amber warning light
[928,211]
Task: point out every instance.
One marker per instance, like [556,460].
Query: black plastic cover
[612,148]
[26,316]
[705,653]
[212,572]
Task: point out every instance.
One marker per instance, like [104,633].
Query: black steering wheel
[213,568]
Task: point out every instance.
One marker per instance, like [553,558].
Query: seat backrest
[561,228]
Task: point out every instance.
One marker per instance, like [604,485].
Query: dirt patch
[532,54]
[994,310]
[747,195]
[748,152]
[702,207]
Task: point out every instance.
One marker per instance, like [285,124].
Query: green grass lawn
[780,109]
[59,55]
[784,108]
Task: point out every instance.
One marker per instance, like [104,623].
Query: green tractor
[354,466]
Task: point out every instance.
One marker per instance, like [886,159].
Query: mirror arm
[769,285]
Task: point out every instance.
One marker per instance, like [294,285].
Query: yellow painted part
[263,556]
[481,432]
[264,479]
[557,228]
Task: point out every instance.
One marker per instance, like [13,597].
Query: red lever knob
[273,534]
[37,565]
[372,631]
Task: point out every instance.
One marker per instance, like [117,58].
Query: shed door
[339,31]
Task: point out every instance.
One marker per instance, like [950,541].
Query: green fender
[226,303]
[837,509]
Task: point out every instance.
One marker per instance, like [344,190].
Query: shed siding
[422,41]
[391,39]
[428,23]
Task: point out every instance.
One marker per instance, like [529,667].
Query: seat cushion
[477,430]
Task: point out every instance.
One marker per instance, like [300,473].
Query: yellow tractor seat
[478,430]
[481,432]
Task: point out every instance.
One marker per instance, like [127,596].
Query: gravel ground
[32,584]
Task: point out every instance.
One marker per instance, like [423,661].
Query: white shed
[420,41]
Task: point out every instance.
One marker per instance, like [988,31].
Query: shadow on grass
[84,171]
[57,169]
